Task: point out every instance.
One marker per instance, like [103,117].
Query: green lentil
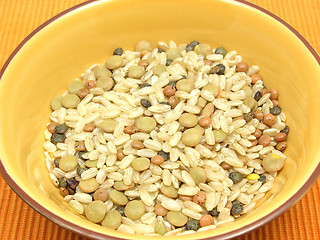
[146,124]
[56,103]
[108,125]
[120,186]
[219,135]
[203,49]
[185,85]
[221,50]
[273,163]
[114,62]
[96,211]
[169,191]
[91,163]
[177,219]
[188,120]
[198,174]
[159,69]
[118,197]
[136,71]
[88,186]
[143,45]
[75,86]
[160,229]
[247,91]
[112,220]
[134,210]
[173,53]
[212,89]
[68,163]
[106,83]
[248,116]
[191,137]
[101,71]
[140,164]
[70,101]
[63,182]
[250,102]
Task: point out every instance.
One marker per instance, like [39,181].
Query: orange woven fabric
[18,221]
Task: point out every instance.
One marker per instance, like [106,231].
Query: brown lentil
[89,127]
[275,103]
[82,93]
[280,137]
[257,133]
[144,63]
[51,127]
[242,67]
[264,92]
[255,78]
[281,146]
[254,142]
[273,94]
[173,101]
[205,121]
[258,115]
[185,198]
[64,192]
[206,220]
[137,144]
[101,194]
[120,154]
[264,140]
[199,198]
[157,160]
[225,165]
[269,119]
[131,129]
[90,84]
[169,91]
[80,146]
[159,210]
[244,159]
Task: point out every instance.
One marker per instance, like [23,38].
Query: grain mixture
[169,141]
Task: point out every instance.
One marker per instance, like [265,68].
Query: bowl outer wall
[20,177]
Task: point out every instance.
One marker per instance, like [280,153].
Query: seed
[173,101]
[136,72]
[131,130]
[144,85]
[101,194]
[257,133]
[264,140]
[269,119]
[262,178]
[160,229]
[206,220]
[208,62]
[168,62]
[248,116]
[275,103]
[285,130]
[189,48]
[275,110]
[70,101]
[159,69]
[225,166]
[51,127]
[63,191]
[208,110]
[96,211]
[61,128]
[193,224]
[198,174]
[218,69]
[199,198]
[146,124]
[281,146]
[257,96]
[63,182]
[80,154]
[173,53]
[258,115]
[56,103]
[88,186]
[214,212]
[80,146]
[82,93]
[145,102]
[236,208]
[159,210]
[272,163]
[191,137]
[219,136]
[235,177]
[108,125]
[140,164]
[185,85]
[106,83]
[120,210]
[169,191]
[254,142]
[255,78]
[205,121]
[253,176]
[194,43]
[112,220]
[72,183]
[163,154]
[280,137]
[203,49]
[118,197]
[143,45]
[157,160]
[120,186]
[273,94]
[188,120]
[56,162]
[89,127]
[244,159]
[90,84]
[177,219]
[114,62]
[221,50]
[120,154]
[68,163]
[144,64]
[185,198]
[137,144]
[264,91]
[75,86]
[169,91]
[134,210]
[81,169]
[242,67]
[118,51]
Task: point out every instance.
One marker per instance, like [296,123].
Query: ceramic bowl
[62,48]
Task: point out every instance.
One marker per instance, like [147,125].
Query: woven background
[18,221]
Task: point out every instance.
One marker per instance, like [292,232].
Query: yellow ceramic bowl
[65,46]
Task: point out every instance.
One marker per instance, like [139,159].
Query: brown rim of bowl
[95,235]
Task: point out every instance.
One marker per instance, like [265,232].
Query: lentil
[257,96]
[214,212]
[218,69]
[68,163]
[64,192]
[63,182]
[169,91]
[177,219]
[281,146]
[199,198]
[159,210]
[262,178]
[193,224]
[88,186]
[146,124]
[112,220]
[255,78]
[82,93]
[285,130]
[169,191]
[89,127]
[185,85]
[114,62]
[205,121]
[106,83]
[272,163]
[206,220]
[221,50]
[96,211]
[258,115]
[131,130]
[118,51]
[173,101]
[264,140]
[80,146]
[269,119]
[185,198]
[191,137]
[81,169]
[273,94]
[56,103]
[51,127]
[70,101]
[164,154]
[280,137]
[120,209]
[236,208]
[235,177]
[157,160]
[275,110]
[75,86]
[140,164]
[90,84]
[144,64]
[198,174]
[118,197]
[134,210]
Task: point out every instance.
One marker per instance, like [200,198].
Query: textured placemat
[18,221]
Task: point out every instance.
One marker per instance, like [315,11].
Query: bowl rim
[96,235]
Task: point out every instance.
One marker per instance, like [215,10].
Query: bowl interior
[64,49]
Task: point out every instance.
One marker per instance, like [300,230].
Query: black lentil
[248,116]
[72,182]
[164,154]
[257,96]
[194,43]
[63,182]
[121,211]
[80,154]
[118,51]
[56,162]
[193,224]
[262,178]
[218,69]
[160,50]
[236,208]
[189,48]
[71,191]
[169,61]
[144,85]
[275,110]
[145,103]
[214,212]
[235,177]
[285,130]
[164,103]
[81,169]
[221,50]
[61,128]
[58,138]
